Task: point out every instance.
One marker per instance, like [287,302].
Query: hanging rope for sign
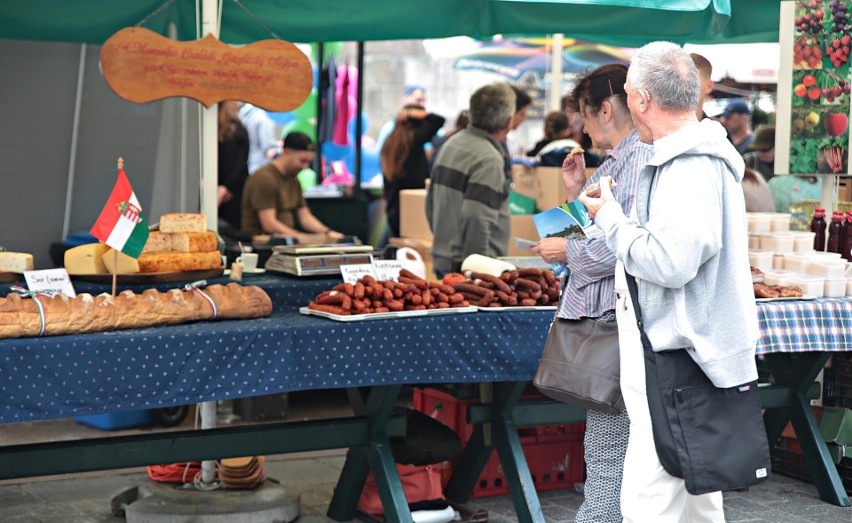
[256,19]
[154,13]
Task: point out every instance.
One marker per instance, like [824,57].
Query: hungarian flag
[121,224]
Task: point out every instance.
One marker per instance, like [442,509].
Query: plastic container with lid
[818,227]
[779,242]
[760,221]
[779,221]
[834,287]
[761,259]
[754,241]
[777,277]
[810,285]
[803,241]
[797,262]
[849,286]
[827,268]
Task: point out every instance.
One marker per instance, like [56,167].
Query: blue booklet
[570,220]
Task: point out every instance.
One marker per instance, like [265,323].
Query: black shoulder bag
[712,438]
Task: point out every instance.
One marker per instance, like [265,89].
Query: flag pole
[119,166]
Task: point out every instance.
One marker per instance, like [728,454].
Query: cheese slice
[159,241]
[122,264]
[86,259]
[15,262]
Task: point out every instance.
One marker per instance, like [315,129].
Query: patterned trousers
[605,444]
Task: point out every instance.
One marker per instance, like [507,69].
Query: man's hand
[333,235]
[593,205]
[223,195]
[574,174]
[551,249]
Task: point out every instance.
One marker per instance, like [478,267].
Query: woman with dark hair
[555,128]
[233,166]
[590,290]
[403,160]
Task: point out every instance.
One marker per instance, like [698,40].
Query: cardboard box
[543,184]
[412,215]
[522,227]
[423,248]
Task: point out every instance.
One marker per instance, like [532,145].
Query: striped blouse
[590,290]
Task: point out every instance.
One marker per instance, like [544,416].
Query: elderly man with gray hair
[467,203]
[686,243]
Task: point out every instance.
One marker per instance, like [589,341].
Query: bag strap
[634,297]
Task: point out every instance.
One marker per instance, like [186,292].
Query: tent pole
[209,182]
[356,190]
[75,132]
[556,74]
[318,156]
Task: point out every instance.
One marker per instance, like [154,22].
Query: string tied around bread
[195,286]
[25,293]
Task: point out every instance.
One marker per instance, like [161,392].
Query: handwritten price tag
[387,269]
[50,282]
[353,272]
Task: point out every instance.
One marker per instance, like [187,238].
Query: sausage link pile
[367,295]
[525,287]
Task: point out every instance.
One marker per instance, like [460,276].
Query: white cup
[249,261]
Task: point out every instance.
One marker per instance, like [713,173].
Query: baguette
[19,317]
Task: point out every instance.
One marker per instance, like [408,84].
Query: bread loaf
[19,317]
[159,241]
[179,261]
[183,222]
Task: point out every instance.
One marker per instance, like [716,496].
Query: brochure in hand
[570,220]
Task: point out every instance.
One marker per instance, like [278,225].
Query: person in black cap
[272,197]
[761,156]
[735,120]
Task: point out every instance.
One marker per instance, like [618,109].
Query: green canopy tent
[615,22]
[626,23]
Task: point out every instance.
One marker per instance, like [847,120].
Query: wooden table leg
[376,457]
[798,371]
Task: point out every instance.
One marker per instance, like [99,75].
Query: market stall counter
[43,378]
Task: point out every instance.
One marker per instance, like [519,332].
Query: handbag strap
[633,288]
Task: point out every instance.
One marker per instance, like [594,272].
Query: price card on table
[353,272]
[50,282]
[387,269]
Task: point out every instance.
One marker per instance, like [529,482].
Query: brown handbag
[580,365]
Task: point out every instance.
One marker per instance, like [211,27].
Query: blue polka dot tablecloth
[63,376]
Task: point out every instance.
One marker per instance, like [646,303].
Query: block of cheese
[179,261]
[121,264]
[86,259]
[159,241]
[183,222]
[15,262]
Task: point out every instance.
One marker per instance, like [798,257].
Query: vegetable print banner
[821,86]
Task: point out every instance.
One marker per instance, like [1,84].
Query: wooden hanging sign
[141,66]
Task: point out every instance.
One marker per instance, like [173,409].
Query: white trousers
[649,494]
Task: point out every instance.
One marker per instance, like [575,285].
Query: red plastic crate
[554,453]
[553,465]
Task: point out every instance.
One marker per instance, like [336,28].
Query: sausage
[527,302]
[527,284]
[358,290]
[346,288]
[335,298]
[497,282]
[333,309]
[455,298]
[405,273]
[469,287]
[529,272]
[395,305]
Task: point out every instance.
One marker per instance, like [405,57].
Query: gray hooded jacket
[689,252]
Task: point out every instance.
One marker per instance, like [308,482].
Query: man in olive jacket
[467,203]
